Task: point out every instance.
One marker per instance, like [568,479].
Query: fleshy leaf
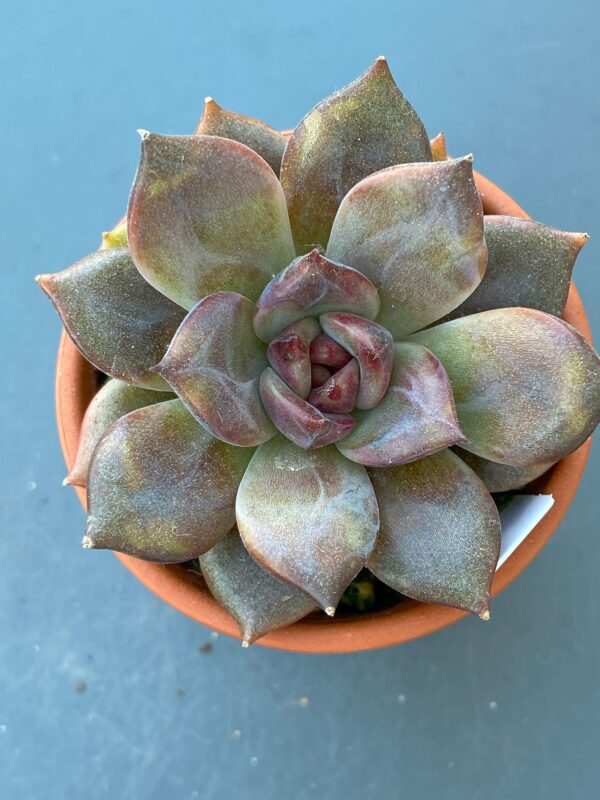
[438,148]
[296,419]
[214,364]
[526,384]
[310,286]
[117,237]
[257,600]
[528,265]
[118,321]
[415,418]
[113,401]
[373,348]
[364,127]
[324,351]
[160,487]
[416,230]
[309,517]
[501,477]
[256,135]
[319,374]
[338,394]
[206,214]
[289,355]
[439,540]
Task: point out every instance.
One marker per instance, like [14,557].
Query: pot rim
[76,384]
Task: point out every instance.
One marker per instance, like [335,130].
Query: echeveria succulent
[281,401]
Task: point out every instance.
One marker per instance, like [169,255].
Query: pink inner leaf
[289,355]
[310,286]
[296,419]
[338,394]
[373,348]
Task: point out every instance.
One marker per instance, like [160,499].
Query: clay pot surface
[76,384]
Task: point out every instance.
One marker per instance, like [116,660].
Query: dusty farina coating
[321,357]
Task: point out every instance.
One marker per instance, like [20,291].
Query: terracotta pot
[76,384]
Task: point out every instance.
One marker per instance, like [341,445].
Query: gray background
[509,709]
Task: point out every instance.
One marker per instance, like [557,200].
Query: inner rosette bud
[327,356]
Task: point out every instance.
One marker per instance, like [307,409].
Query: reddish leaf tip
[580,239]
[380,65]
[438,147]
[45,281]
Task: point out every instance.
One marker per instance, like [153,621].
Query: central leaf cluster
[320,371]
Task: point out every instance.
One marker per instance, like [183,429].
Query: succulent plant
[312,371]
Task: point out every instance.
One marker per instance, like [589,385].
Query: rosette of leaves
[322,356]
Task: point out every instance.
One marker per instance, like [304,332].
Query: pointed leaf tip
[364,127]
[438,148]
[260,137]
[309,517]
[436,552]
[257,600]
[116,319]
[529,265]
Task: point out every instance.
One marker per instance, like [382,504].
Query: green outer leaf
[309,517]
[501,477]
[112,401]
[526,384]
[257,135]
[214,364]
[118,321]
[439,540]
[257,601]
[206,214]
[160,487]
[364,127]
[528,265]
[416,417]
[416,230]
